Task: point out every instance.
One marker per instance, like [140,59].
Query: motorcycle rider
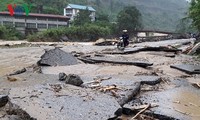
[125,38]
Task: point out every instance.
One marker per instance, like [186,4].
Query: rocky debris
[129,114]
[103,42]
[7,45]
[190,69]
[135,89]
[19,113]
[123,89]
[3,100]
[64,38]
[69,103]
[77,54]
[34,68]
[62,76]
[11,79]
[176,103]
[130,94]
[195,49]
[196,85]
[115,60]
[57,57]
[74,80]
[71,79]
[18,72]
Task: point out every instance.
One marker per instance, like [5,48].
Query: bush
[10,33]
[87,32]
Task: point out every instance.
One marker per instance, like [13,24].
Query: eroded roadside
[107,86]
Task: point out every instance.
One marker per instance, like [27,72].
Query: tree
[102,17]
[184,26]
[130,19]
[194,13]
[38,5]
[82,17]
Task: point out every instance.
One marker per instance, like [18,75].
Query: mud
[105,86]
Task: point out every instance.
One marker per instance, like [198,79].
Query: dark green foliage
[130,19]
[102,17]
[82,18]
[9,33]
[87,32]
[194,13]
[185,26]
[157,14]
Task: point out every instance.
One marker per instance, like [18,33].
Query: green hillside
[157,14]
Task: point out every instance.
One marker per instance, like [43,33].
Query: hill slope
[157,14]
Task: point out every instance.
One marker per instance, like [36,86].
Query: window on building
[31,25]
[69,11]
[43,19]
[52,26]
[61,20]
[7,17]
[52,19]
[31,18]
[19,17]
[19,24]
[42,26]
[6,23]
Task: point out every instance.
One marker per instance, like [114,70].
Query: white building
[33,21]
[72,10]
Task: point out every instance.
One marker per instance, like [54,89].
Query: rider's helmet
[124,31]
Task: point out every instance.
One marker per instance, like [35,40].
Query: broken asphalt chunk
[57,57]
[94,60]
[190,69]
[3,100]
[18,72]
[70,103]
[140,49]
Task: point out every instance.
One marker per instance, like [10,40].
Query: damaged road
[137,85]
[43,102]
[115,60]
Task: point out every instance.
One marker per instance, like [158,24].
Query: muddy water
[187,102]
[18,58]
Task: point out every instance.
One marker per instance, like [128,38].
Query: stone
[74,80]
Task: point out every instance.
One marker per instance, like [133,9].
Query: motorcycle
[120,44]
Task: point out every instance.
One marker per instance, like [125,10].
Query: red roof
[39,15]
